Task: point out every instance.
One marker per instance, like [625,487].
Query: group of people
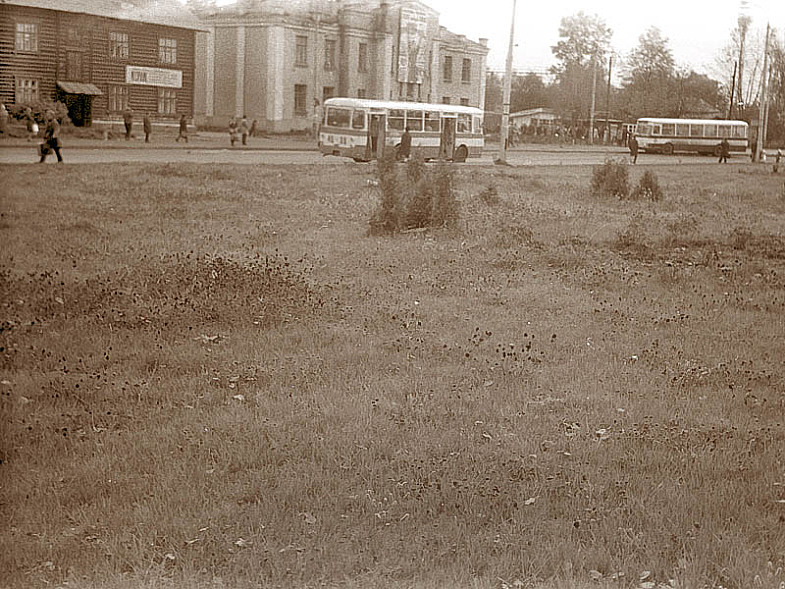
[147,126]
[241,130]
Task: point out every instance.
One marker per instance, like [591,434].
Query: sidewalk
[196,140]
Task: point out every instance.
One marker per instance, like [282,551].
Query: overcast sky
[696,29]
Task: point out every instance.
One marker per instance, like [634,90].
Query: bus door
[447,139]
[377,125]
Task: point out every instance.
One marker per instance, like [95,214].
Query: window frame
[362,57]
[300,110]
[330,54]
[167,52]
[447,72]
[36,34]
[300,51]
[167,101]
[466,72]
[118,44]
[112,93]
[34,89]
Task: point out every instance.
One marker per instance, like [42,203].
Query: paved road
[527,157]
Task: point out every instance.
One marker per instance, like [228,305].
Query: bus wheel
[667,149]
[460,154]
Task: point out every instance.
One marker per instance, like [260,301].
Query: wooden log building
[100,57]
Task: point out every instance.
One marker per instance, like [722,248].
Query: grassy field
[213,377]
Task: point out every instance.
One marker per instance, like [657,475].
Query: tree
[649,76]
[581,50]
[528,91]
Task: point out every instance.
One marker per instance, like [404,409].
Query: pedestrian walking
[244,130]
[183,134]
[3,119]
[253,129]
[724,151]
[51,138]
[232,130]
[148,128]
[777,159]
[633,147]
[30,125]
[128,121]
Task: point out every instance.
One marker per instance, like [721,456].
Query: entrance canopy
[80,88]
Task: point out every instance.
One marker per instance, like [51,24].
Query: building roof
[169,13]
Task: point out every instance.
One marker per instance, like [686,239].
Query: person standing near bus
[724,151]
[633,147]
[405,148]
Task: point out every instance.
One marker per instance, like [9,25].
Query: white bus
[360,129]
[698,135]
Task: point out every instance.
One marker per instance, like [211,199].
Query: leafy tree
[649,79]
[528,91]
[583,44]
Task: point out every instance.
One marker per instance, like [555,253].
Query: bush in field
[648,188]
[415,198]
[39,108]
[611,179]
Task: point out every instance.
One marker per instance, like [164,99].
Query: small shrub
[490,195]
[611,179]
[648,188]
[633,237]
[419,198]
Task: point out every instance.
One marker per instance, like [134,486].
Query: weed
[648,188]
[611,179]
[490,195]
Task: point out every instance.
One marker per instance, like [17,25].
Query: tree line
[651,82]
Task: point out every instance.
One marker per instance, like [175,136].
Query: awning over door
[80,88]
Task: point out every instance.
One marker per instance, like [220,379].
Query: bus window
[656,129]
[414,120]
[724,131]
[432,121]
[464,124]
[358,119]
[710,130]
[395,120]
[477,125]
[339,117]
[682,130]
[739,131]
[696,130]
[643,129]
[668,129]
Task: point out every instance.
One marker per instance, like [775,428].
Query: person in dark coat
[148,128]
[183,129]
[633,147]
[244,130]
[51,138]
[724,151]
[128,121]
[405,148]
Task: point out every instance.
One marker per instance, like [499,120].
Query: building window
[26,37]
[329,54]
[301,51]
[119,47]
[447,74]
[466,70]
[361,93]
[73,36]
[118,98]
[328,92]
[167,50]
[167,101]
[464,102]
[300,104]
[74,66]
[445,100]
[26,91]
[362,58]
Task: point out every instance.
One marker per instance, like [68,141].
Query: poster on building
[153,76]
[413,46]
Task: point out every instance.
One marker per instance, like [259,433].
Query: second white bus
[362,128]
[696,135]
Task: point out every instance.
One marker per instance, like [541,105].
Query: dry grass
[211,377]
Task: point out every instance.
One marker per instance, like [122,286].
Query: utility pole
[732,90]
[764,98]
[505,128]
[593,99]
[608,99]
